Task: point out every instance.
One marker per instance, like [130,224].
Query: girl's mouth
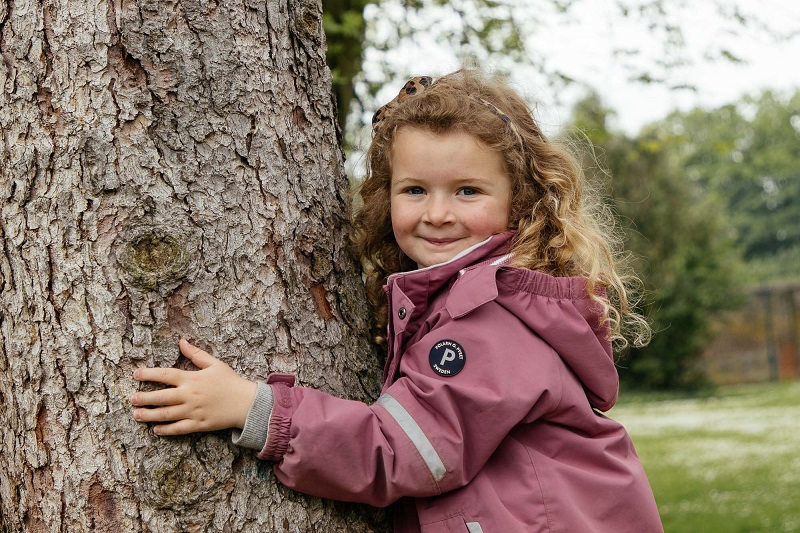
[440,242]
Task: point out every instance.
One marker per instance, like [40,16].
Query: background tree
[681,243]
[345,28]
[745,154]
[167,169]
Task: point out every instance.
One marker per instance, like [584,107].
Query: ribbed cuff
[256,426]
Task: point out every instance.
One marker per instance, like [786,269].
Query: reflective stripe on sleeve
[474,527]
[414,432]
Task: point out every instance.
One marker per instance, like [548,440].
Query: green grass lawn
[726,463]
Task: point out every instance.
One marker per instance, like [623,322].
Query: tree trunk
[169,168]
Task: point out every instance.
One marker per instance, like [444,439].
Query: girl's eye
[415,190]
[469,191]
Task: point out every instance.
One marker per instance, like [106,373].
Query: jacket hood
[558,309]
[561,312]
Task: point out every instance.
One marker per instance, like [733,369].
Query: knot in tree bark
[154,257]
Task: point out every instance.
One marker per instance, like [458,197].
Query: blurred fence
[759,342]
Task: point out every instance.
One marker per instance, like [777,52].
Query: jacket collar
[419,284]
[473,254]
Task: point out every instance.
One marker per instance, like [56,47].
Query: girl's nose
[438,211]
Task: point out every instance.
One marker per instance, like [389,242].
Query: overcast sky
[585,50]
[769,64]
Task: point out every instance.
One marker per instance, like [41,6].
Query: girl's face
[448,192]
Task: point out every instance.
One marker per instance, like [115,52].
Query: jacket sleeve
[428,433]
[254,433]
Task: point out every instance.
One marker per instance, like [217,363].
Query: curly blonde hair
[562,228]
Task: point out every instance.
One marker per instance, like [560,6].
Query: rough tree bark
[169,168]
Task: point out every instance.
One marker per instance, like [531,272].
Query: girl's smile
[448,192]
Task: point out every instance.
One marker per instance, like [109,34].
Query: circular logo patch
[447,358]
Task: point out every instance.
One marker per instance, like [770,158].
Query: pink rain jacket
[488,420]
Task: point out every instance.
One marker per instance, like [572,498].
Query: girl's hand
[214,397]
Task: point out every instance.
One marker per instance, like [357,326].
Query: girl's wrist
[246,397]
[256,428]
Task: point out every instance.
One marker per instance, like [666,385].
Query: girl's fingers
[173,376]
[167,376]
[197,356]
[159,397]
[158,414]
[181,427]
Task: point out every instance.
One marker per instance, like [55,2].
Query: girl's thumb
[197,356]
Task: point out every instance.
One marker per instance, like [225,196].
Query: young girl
[498,332]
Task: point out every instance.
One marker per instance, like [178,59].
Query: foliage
[746,155]
[681,246]
[782,266]
[485,31]
[344,25]
[514,38]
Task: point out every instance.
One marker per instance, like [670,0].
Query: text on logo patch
[447,358]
